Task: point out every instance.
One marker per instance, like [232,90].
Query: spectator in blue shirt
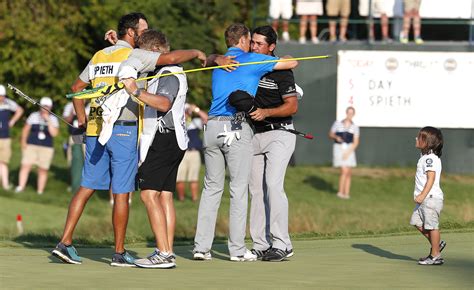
[37,145]
[7,108]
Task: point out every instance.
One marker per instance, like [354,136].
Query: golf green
[379,262]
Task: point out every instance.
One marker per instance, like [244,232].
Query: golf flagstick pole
[34,102]
[105,90]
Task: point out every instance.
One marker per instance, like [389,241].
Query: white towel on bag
[111,111]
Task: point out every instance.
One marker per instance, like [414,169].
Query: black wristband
[137,93]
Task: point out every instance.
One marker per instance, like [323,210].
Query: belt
[221,118]
[126,123]
[236,116]
[273,126]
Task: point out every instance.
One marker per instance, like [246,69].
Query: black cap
[242,101]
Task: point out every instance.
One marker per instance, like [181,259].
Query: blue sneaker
[67,254]
[122,260]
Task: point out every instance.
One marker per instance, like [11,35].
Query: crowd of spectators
[338,13]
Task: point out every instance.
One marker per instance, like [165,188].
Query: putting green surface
[379,263]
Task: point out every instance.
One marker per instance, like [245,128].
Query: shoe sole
[64,258]
[278,260]
[123,265]
[157,266]
[437,263]
[289,255]
[242,260]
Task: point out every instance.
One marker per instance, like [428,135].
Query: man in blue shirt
[228,140]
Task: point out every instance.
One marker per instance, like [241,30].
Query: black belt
[273,126]
[126,123]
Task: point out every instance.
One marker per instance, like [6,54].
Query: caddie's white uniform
[427,214]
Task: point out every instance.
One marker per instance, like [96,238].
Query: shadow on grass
[99,252]
[47,242]
[381,252]
[319,184]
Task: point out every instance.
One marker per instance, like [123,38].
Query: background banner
[406,89]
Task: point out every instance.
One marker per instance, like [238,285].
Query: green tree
[45,44]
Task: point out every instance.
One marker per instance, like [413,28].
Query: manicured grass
[380,203]
[364,242]
[362,263]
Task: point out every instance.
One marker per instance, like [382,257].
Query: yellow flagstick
[102,91]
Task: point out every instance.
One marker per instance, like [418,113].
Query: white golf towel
[111,111]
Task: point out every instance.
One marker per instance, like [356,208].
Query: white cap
[46,101]
[3,92]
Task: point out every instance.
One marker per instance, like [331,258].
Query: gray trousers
[269,204]
[238,158]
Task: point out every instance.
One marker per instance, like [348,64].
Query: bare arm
[53,131]
[290,64]
[288,108]
[24,135]
[180,56]
[79,107]
[430,179]
[160,103]
[201,114]
[351,148]
[18,113]
[222,60]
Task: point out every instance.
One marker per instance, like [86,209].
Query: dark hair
[153,38]
[129,21]
[432,139]
[271,36]
[234,32]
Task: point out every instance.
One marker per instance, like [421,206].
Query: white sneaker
[18,189]
[155,261]
[201,256]
[285,36]
[432,260]
[40,192]
[315,40]
[247,257]
[302,40]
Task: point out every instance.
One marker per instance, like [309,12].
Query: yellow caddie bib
[103,71]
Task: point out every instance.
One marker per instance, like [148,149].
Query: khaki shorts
[5,150]
[338,7]
[189,168]
[40,156]
[426,215]
[409,5]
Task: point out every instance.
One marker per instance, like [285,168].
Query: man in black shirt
[276,100]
